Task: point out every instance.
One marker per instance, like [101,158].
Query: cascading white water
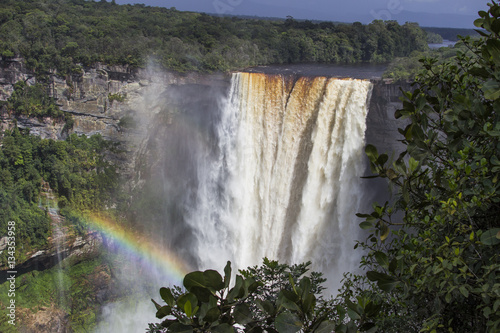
[273,171]
[285,183]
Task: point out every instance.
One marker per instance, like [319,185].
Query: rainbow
[140,248]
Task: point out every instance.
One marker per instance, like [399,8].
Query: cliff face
[382,126]
[134,106]
[119,102]
[99,98]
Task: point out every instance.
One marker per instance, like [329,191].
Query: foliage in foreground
[433,259]
[434,251]
[271,298]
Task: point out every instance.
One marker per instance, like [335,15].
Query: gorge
[237,168]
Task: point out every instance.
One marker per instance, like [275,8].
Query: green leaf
[213,280]
[352,327]
[413,164]
[305,285]
[493,47]
[308,303]
[168,322]
[479,22]
[369,328]
[250,285]
[382,259]
[212,315]
[372,309]
[222,328]
[353,314]
[384,232]
[496,305]
[288,299]
[491,90]
[189,297]
[382,159]
[287,322]
[384,281]
[265,306]
[482,13]
[163,311]
[371,152]
[209,279]
[166,295]
[180,328]
[479,71]
[157,306]
[202,312]
[194,279]
[487,312]
[491,237]
[464,291]
[365,225]
[242,314]
[237,291]
[188,309]
[417,132]
[326,326]
[290,295]
[212,302]
[203,294]
[253,328]
[342,328]
[393,265]
[447,297]
[387,285]
[341,312]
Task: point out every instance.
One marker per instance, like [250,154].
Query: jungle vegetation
[75,169]
[65,35]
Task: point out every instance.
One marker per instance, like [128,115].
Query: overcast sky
[456,13]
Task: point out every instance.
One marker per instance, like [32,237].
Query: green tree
[270,298]
[433,255]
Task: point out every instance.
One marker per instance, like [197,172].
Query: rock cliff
[119,102]
[102,99]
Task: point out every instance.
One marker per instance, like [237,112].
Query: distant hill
[451,33]
[253,9]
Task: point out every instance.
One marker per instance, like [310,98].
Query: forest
[75,169]
[65,35]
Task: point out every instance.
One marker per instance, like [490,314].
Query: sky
[435,13]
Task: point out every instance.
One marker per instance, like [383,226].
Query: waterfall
[284,181]
[269,168]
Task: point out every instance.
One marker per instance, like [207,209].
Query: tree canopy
[67,34]
[75,169]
